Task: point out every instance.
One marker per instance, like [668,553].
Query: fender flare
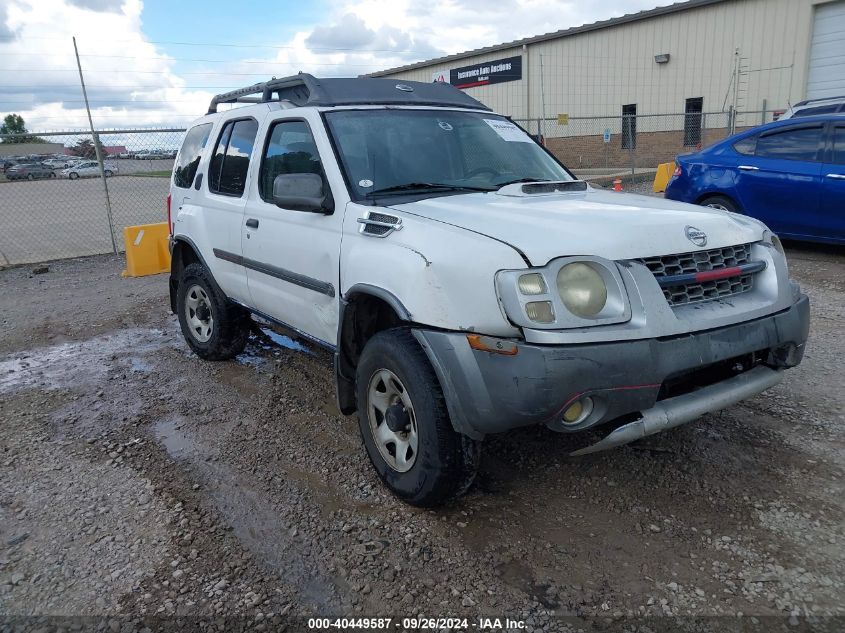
[344,368]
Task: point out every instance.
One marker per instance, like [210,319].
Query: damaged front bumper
[652,384]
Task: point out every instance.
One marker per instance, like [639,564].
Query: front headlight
[581,289]
[568,292]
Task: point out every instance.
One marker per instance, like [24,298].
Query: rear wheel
[73,175]
[405,425]
[214,327]
[30,176]
[723,203]
[108,173]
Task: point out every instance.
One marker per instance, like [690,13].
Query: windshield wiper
[513,182]
[426,186]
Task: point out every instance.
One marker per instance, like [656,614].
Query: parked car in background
[55,163]
[88,168]
[789,174]
[29,171]
[125,155]
[7,163]
[812,107]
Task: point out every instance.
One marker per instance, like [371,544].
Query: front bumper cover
[489,393]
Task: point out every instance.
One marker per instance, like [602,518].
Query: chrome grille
[701,261]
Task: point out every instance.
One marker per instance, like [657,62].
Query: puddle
[259,529]
[268,344]
[138,365]
[77,363]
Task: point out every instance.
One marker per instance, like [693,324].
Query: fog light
[540,311]
[578,411]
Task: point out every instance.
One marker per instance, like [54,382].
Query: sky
[158,62]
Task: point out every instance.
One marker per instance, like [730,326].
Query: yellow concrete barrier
[146,249]
[661,178]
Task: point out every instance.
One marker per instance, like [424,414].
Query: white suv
[465,281]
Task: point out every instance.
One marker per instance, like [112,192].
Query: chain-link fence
[54,202]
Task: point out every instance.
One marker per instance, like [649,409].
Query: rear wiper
[423,186]
[513,182]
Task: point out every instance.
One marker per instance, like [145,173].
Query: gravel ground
[138,482]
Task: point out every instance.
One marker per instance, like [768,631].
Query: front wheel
[108,173]
[723,203]
[405,425]
[73,175]
[214,328]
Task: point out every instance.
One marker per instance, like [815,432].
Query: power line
[265,46]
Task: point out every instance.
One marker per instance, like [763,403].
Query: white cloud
[132,82]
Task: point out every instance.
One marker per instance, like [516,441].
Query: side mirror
[301,192]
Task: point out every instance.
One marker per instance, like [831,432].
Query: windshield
[429,152]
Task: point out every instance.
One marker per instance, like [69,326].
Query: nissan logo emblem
[404,88]
[696,236]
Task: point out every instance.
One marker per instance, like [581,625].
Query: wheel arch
[183,254]
[717,194]
[365,310]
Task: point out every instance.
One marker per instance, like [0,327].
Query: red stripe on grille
[722,273]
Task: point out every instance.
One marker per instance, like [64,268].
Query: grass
[152,174]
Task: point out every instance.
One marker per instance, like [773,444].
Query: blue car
[789,174]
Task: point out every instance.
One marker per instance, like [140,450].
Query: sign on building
[440,76]
[487,73]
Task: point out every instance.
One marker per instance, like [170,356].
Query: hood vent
[522,189]
[554,187]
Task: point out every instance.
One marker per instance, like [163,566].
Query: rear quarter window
[189,156]
[746,146]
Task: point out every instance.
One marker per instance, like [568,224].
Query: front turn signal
[492,345]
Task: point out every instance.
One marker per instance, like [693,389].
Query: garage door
[827,52]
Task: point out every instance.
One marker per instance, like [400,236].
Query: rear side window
[838,146]
[823,109]
[792,144]
[746,146]
[290,150]
[189,155]
[230,162]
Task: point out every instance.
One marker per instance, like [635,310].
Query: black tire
[720,202]
[446,461]
[52,174]
[73,175]
[30,177]
[108,173]
[230,322]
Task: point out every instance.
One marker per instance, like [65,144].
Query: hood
[602,223]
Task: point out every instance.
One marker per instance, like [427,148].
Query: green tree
[85,149]
[14,124]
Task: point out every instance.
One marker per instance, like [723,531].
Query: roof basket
[304,89]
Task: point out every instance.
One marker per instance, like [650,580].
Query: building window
[629,126]
[692,121]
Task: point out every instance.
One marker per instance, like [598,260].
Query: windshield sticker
[445,126]
[508,131]
[365,183]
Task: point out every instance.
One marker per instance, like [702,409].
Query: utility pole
[97,149]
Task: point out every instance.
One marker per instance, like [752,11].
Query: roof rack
[807,101]
[306,90]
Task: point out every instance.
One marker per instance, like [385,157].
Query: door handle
[837,176]
[749,168]
[252,223]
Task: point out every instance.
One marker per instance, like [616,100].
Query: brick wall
[590,151]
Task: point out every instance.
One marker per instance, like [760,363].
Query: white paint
[139,237]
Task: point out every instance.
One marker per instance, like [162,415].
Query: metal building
[674,77]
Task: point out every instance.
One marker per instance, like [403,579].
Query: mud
[150,483]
